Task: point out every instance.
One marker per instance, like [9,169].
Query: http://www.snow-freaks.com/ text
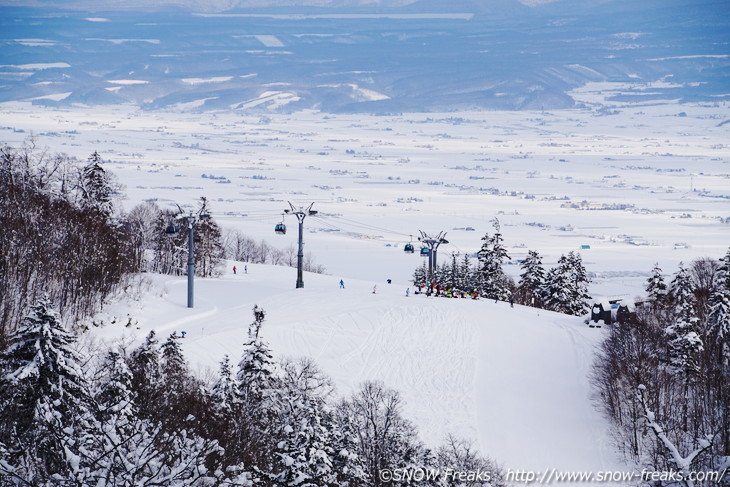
[546,477]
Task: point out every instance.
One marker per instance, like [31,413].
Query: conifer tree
[208,244]
[579,290]
[45,404]
[420,275]
[114,396]
[719,316]
[465,274]
[305,451]
[442,275]
[532,279]
[491,277]
[454,278]
[96,189]
[180,388]
[259,396]
[556,291]
[656,288]
[346,463]
[683,340]
[225,389]
[257,370]
[144,364]
[566,286]
[114,447]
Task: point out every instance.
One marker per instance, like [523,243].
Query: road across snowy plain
[514,380]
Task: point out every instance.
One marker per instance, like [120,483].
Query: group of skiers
[443,291]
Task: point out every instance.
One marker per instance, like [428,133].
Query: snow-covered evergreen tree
[491,277]
[129,451]
[580,296]
[684,342]
[177,402]
[225,389]
[656,288]
[305,451]
[144,363]
[96,188]
[45,404]
[258,404]
[532,279]
[454,273]
[566,286]
[465,274]
[719,315]
[442,275]
[114,397]
[257,371]
[119,428]
[173,366]
[420,275]
[346,463]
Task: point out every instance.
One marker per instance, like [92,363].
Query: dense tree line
[563,288]
[141,418]
[59,234]
[663,377]
[243,248]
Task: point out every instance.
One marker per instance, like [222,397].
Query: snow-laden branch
[682,463]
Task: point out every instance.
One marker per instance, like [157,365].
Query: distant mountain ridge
[388,57]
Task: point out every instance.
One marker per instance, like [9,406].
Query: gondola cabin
[408,249]
[280,229]
[172,230]
[425,252]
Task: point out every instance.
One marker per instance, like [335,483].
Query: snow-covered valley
[626,184]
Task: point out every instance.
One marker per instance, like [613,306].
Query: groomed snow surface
[513,380]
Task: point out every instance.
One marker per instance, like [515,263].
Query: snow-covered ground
[514,380]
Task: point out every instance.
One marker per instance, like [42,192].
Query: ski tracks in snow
[515,380]
[425,352]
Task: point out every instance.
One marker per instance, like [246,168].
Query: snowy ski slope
[513,380]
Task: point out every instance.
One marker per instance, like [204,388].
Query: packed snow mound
[514,380]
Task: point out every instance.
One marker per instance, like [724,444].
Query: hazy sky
[198,4]
[216,5]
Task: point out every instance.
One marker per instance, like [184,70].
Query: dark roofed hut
[601,311]
[626,314]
